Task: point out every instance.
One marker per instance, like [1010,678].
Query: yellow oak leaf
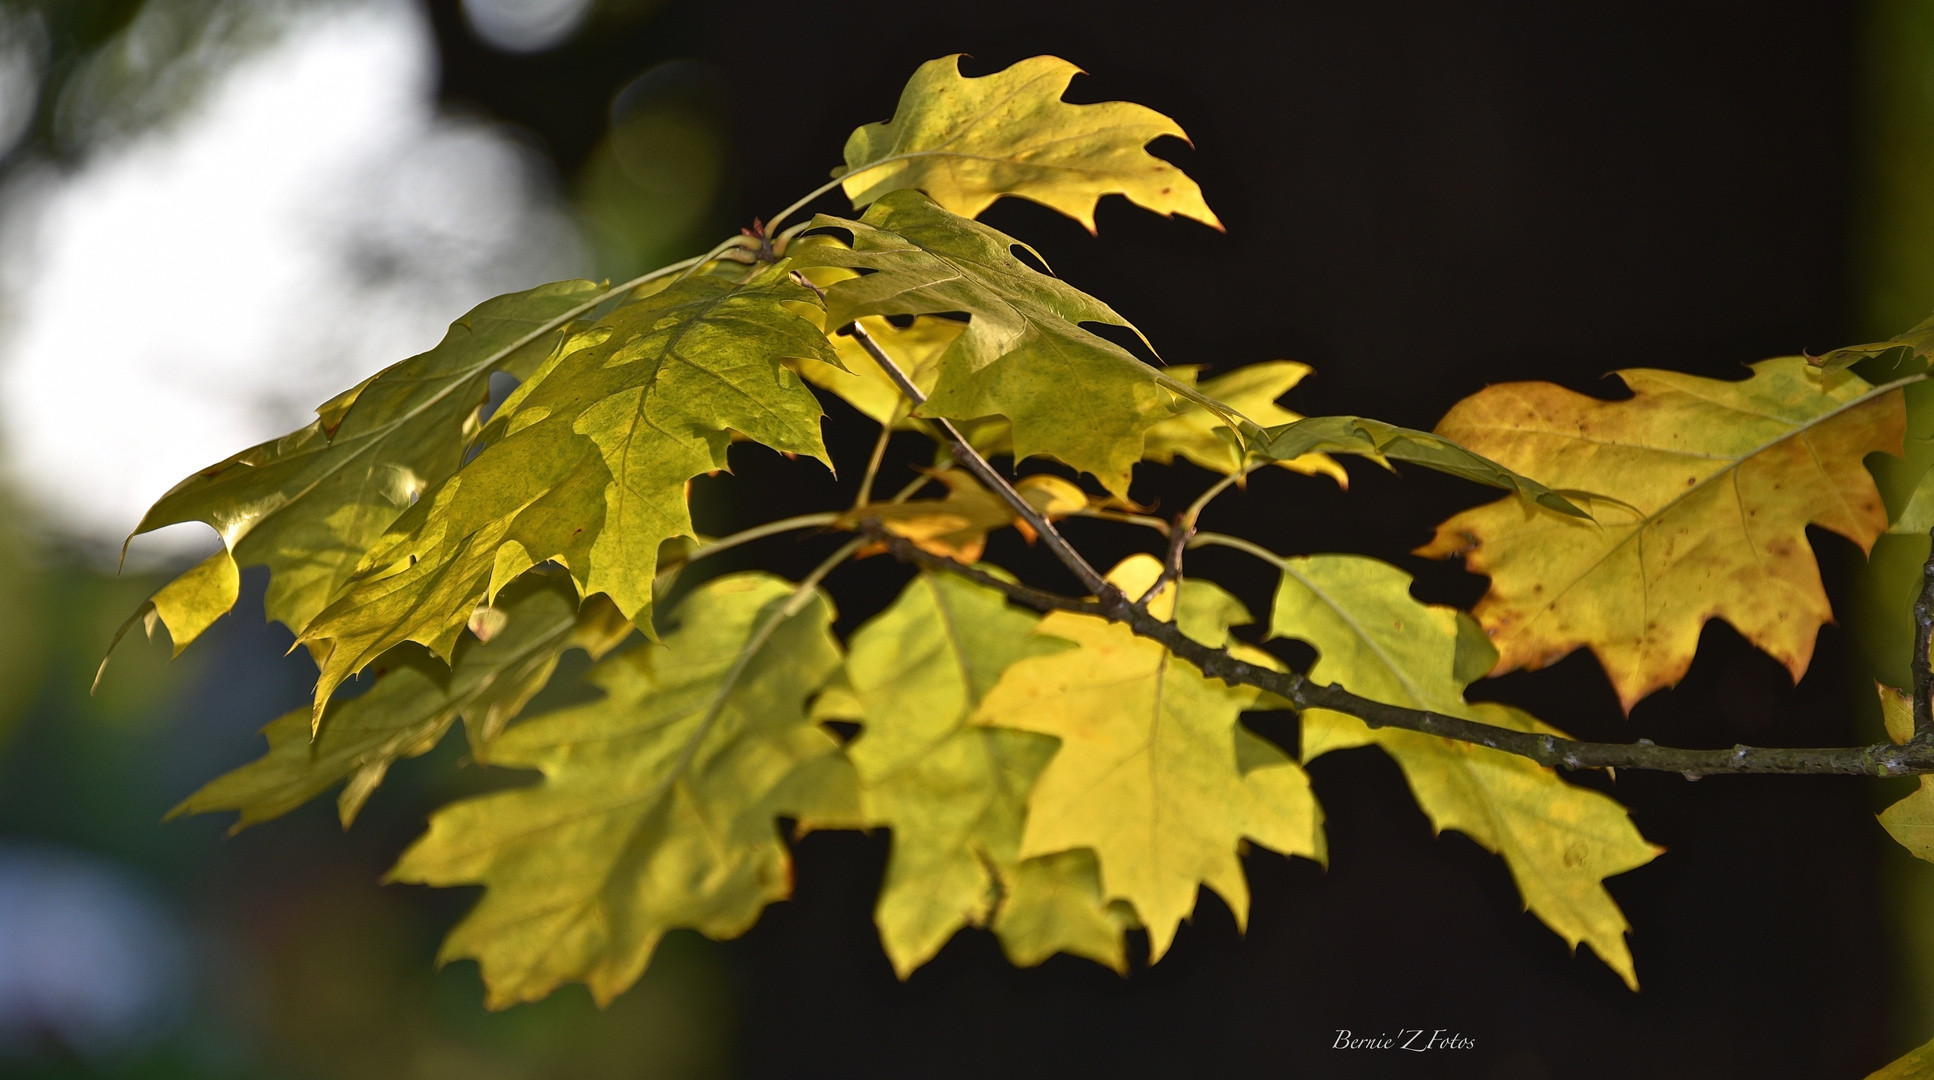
[1154,773]
[1701,492]
[967,142]
[187,605]
[1911,820]
[1053,904]
[1373,638]
[1251,390]
[657,805]
[954,794]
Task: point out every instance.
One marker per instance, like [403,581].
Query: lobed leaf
[1704,492]
[657,804]
[1918,341]
[1023,355]
[1376,439]
[956,527]
[1154,774]
[967,142]
[1205,438]
[1911,820]
[1372,637]
[955,794]
[413,703]
[591,467]
[309,504]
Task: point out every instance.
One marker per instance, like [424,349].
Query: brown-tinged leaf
[1701,493]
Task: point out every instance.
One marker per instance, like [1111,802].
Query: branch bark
[1923,640]
[983,471]
[1549,750]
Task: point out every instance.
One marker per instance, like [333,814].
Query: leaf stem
[1195,509]
[772,224]
[1216,539]
[965,453]
[873,467]
[1552,751]
[759,532]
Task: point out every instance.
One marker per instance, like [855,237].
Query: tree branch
[1548,750]
[1923,640]
[964,453]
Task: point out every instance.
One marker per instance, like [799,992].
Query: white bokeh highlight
[525,26]
[202,287]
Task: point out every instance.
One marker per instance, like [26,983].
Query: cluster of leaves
[1055,779]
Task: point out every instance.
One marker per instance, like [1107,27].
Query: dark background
[1421,198]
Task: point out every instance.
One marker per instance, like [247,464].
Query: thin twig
[873,466]
[965,454]
[1194,512]
[1549,750]
[1178,541]
[758,532]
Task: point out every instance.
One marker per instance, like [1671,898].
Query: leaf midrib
[1637,528]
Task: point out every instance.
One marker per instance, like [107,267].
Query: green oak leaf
[309,504]
[413,703]
[1376,439]
[954,794]
[1067,392]
[967,142]
[591,464]
[657,805]
[1203,437]
[1374,639]
[1918,341]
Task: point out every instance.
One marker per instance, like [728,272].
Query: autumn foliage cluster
[1050,768]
